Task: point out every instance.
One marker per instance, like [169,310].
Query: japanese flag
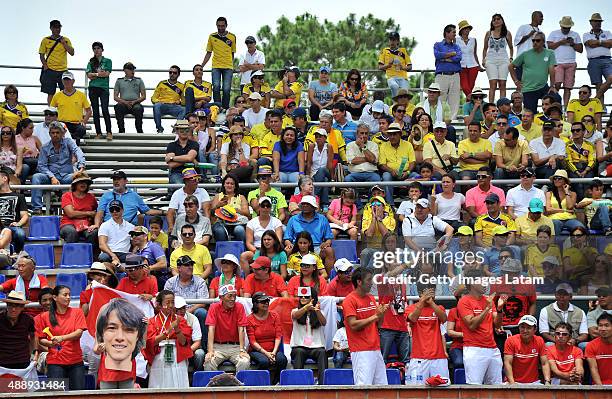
[27,374]
[303,291]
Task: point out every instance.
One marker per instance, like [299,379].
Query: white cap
[439,125]
[309,199]
[255,96]
[179,302]
[343,265]
[309,259]
[264,198]
[423,202]
[227,289]
[67,75]
[257,73]
[378,106]
[528,319]
[321,131]
[230,257]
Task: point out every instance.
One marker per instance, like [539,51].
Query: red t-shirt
[31,294]
[148,285]
[298,197]
[264,332]
[565,359]
[69,322]
[453,316]
[226,321]
[395,296]
[85,204]
[274,286]
[85,296]
[294,284]
[602,352]
[362,308]
[482,337]
[108,375]
[526,357]
[214,285]
[426,334]
[338,288]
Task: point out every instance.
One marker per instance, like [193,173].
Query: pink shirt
[29,145]
[475,197]
[347,212]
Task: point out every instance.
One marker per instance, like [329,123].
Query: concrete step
[105,172]
[136,136]
[113,164]
[121,142]
[113,156]
[117,149]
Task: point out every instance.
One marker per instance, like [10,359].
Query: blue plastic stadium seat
[44,228]
[229,247]
[254,378]
[201,378]
[43,255]
[345,249]
[147,220]
[338,377]
[394,377]
[459,376]
[297,377]
[76,281]
[76,255]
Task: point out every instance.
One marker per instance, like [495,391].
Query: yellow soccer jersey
[591,108]
[223,49]
[168,93]
[70,108]
[199,92]
[264,89]
[486,224]
[296,88]
[10,116]
[58,60]
[400,59]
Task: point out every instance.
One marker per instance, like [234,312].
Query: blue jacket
[447,65]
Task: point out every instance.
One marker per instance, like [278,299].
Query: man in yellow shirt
[52,52]
[267,141]
[474,152]
[445,158]
[528,224]
[585,105]
[580,157]
[73,107]
[396,63]
[221,46]
[484,228]
[167,98]
[511,155]
[527,128]
[396,159]
[198,253]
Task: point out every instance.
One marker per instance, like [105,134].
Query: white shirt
[467,52]
[178,197]
[450,209]
[340,338]
[406,208]
[557,147]
[42,132]
[543,322]
[254,118]
[599,51]
[423,234]
[523,30]
[367,118]
[196,330]
[258,229]
[118,235]
[353,151]
[519,198]
[494,138]
[246,150]
[565,54]
[257,57]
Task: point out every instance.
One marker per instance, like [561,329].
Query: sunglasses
[583,92]
[525,175]
[113,209]
[240,102]
[576,130]
[11,92]
[264,177]
[561,334]
[306,266]
[226,262]
[376,203]
[173,72]
[558,178]
[7,133]
[249,42]
[577,235]
[354,78]
[400,111]
[187,234]
[482,176]
[536,40]
[349,271]
[133,268]
[136,234]
[504,257]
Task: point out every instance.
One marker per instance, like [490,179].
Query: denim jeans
[362,176]
[99,97]
[198,359]
[569,224]
[340,358]
[262,363]
[322,175]
[200,314]
[174,177]
[70,234]
[456,357]
[104,257]
[397,83]
[402,342]
[29,167]
[161,109]
[263,161]
[388,189]
[19,237]
[226,75]
[41,178]
[289,177]
[189,101]
[601,219]
[75,373]
[222,232]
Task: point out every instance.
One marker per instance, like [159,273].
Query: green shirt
[535,68]
[105,65]
[129,89]
[278,200]
[276,261]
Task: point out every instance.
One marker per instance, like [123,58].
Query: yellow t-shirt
[266,144]
[560,215]
[223,49]
[527,228]
[168,93]
[486,224]
[448,148]
[579,259]
[295,87]
[263,90]
[162,239]
[395,157]
[591,108]
[468,146]
[246,139]
[295,261]
[199,254]
[334,138]
[58,60]
[534,257]
[70,108]
[400,59]
[199,92]
[388,221]
[259,131]
[533,133]
[287,121]
[512,156]
[11,116]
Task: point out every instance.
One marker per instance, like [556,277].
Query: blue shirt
[153,251]
[53,163]
[323,94]
[443,64]
[349,130]
[318,228]
[289,161]
[132,204]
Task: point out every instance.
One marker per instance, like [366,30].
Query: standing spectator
[288,157]
[71,104]
[396,63]
[176,207]
[180,152]
[28,282]
[197,91]
[78,211]
[319,162]
[346,126]
[11,110]
[15,210]
[196,252]
[166,98]
[511,155]
[355,93]
[56,163]
[521,353]
[470,65]
[16,333]
[52,52]
[565,359]
[221,46]
[252,60]
[547,151]
[598,43]
[563,311]
[475,196]
[524,34]
[585,105]
[599,351]
[114,235]
[321,93]
[264,280]
[98,71]
[288,87]
[396,160]
[474,152]
[361,315]
[129,93]
[538,66]
[565,43]
[30,146]
[519,197]
[495,57]
[448,65]
[362,157]
[580,157]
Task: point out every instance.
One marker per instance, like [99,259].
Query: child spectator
[156,232]
[302,247]
[341,349]
[406,208]
[342,214]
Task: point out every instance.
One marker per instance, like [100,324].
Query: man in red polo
[521,353]
[138,281]
[341,285]
[599,352]
[226,323]
[264,280]
[27,281]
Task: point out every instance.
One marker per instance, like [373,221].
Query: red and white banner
[16,375]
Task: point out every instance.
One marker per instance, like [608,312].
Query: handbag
[42,69]
[80,224]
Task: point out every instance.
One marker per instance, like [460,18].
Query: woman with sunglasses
[560,203]
[236,156]
[579,257]
[264,330]
[321,93]
[308,276]
[229,274]
[355,93]
[11,110]
[399,112]
[10,155]
[79,208]
[497,42]
[255,229]
[30,145]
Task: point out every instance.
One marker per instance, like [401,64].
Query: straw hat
[79,176]
[15,297]
[562,173]
[566,22]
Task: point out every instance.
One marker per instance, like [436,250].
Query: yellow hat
[462,25]
[465,231]
[596,17]
[500,231]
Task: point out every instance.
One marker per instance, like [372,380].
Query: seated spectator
[191,216]
[10,155]
[228,268]
[498,252]
[440,153]
[288,157]
[565,358]
[259,86]
[180,152]
[197,252]
[56,163]
[396,63]
[580,157]
[521,353]
[551,273]
[167,98]
[198,92]
[271,248]
[321,93]
[343,123]
[421,228]
[362,157]
[454,329]
[11,110]
[263,280]
[318,227]
[176,207]
[320,163]
[308,336]
[255,229]
[579,256]
[27,282]
[483,228]
[308,276]
[266,139]
[378,219]
[114,236]
[560,203]
[341,285]
[6,236]
[288,86]
[157,264]
[197,361]
[168,333]
[527,128]
[595,277]
[597,208]
[403,98]
[15,214]
[303,246]
[501,129]
[129,93]
[73,108]
[396,160]
[306,187]
[373,112]
[156,232]
[226,229]
[585,105]
[406,208]
[101,274]
[504,107]
[301,123]
[256,113]
[511,154]
[463,244]
[448,204]
[518,198]
[16,333]
[41,130]
[354,93]
[559,311]
[472,109]
[439,109]
[30,146]
[277,199]
[207,139]
[476,196]
[237,157]
[341,349]
[138,281]
[604,305]
[547,151]
[264,330]
[79,210]
[598,352]
[528,225]
[342,214]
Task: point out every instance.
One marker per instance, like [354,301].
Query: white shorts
[497,69]
[419,370]
[369,368]
[482,365]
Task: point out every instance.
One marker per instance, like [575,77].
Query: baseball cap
[536,205]
[185,260]
[528,171]
[238,118]
[67,75]
[603,291]
[264,170]
[189,173]
[500,231]
[50,110]
[261,200]
[255,96]
[202,112]
[511,266]
[492,197]
[422,202]
[139,230]
[378,106]
[439,125]
[376,187]
[549,125]
[288,102]
[257,73]
[115,203]
[179,302]
[552,260]
[321,131]
[261,262]
[227,289]
[465,231]
[527,319]
[250,39]
[342,265]
[394,35]
[311,200]
[564,287]
[228,257]
[118,174]
[309,259]
[299,112]
[260,297]
[133,260]
[325,68]
[503,101]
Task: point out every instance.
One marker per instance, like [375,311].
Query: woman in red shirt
[308,277]
[265,331]
[229,266]
[60,330]
[78,210]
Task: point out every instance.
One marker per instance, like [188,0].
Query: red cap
[261,262]
[287,102]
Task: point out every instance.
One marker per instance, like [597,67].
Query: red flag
[283,307]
